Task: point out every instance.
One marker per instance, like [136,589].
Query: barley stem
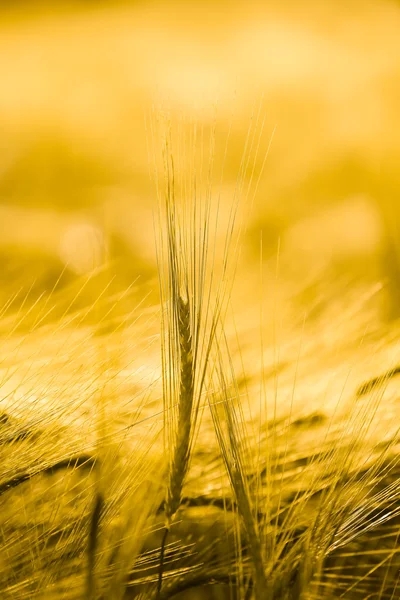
[92,543]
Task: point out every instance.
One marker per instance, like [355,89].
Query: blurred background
[78,83]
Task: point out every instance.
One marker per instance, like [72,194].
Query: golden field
[288,110]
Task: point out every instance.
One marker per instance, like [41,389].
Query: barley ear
[181,452]
[228,435]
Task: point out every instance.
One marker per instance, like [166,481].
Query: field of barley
[199,300]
